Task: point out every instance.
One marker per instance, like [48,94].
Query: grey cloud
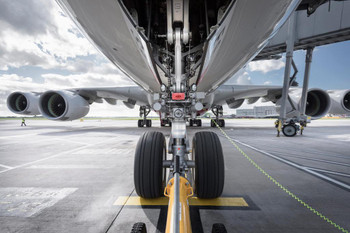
[18,58]
[28,16]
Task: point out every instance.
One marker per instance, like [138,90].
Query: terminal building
[257,112]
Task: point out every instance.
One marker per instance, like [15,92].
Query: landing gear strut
[144,111]
[218,112]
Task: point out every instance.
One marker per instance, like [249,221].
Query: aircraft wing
[71,104]
[234,95]
[130,96]
[318,101]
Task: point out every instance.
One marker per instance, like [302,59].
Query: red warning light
[178,96]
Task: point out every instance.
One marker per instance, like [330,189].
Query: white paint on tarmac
[5,166]
[303,168]
[26,202]
[58,154]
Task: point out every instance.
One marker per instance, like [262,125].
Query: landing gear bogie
[220,122]
[165,122]
[142,123]
[197,122]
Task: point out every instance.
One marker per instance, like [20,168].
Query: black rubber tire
[199,122]
[212,124]
[149,174]
[222,123]
[148,123]
[139,227]
[162,123]
[289,130]
[218,228]
[209,172]
[191,123]
[140,123]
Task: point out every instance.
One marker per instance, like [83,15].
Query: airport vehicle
[180,53]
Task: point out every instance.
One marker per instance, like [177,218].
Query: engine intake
[340,101]
[25,103]
[63,105]
[318,103]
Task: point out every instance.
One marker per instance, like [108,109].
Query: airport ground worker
[23,122]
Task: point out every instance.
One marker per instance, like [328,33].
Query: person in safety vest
[23,122]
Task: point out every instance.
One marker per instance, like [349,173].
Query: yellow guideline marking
[222,201]
[194,201]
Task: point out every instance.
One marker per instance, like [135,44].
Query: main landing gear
[144,111]
[218,112]
[165,122]
[197,122]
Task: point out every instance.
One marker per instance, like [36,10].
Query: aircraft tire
[289,130]
[212,124]
[222,123]
[140,123]
[139,227]
[191,123]
[149,174]
[219,228]
[199,122]
[148,123]
[209,172]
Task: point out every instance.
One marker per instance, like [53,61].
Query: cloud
[242,77]
[266,66]
[85,80]
[37,33]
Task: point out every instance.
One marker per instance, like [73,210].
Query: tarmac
[71,176]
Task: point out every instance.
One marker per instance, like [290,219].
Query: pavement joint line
[323,217]
[56,155]
[121,208]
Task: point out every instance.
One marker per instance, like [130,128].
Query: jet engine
[340,100]
[25,103]
[317,104]
[63,105]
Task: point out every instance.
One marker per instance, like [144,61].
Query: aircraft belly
[107,26]
[242,34]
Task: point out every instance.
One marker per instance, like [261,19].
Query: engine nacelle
[233,104]
[26,103]
[63,105]
[340,100]
[317,104]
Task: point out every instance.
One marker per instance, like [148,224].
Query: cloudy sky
[41,49]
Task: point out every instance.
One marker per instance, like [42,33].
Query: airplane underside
[188,43]
[179,52]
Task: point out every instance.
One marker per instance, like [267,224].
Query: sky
[41,49]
